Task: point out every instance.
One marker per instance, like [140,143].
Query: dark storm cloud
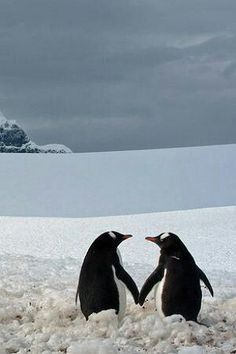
[112,75]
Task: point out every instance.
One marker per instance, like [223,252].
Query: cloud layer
[114,75]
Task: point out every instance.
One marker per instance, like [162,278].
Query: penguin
[178,279]
[103,280]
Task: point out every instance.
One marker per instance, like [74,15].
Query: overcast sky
[120,74]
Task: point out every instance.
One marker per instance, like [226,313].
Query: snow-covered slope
[117,183]
[14,139]
[40,260]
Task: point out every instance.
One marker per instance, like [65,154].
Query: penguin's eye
[112,235]
[165,235]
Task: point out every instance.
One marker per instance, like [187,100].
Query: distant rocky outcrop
[14,139]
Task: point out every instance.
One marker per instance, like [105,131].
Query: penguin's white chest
[121,290]
[122,295]
[158,293]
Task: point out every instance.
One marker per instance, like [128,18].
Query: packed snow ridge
[40,260]
[14,139]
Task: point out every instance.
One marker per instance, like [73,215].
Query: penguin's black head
[167,240]
[111,239]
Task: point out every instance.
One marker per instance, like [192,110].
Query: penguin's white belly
[158,293]
[122,295]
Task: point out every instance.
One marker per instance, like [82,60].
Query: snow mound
[91,347]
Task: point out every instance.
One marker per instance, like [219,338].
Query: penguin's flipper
[151,281]
[76,296]
[205,280]
[127,280]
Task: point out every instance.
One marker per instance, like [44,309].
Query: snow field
[40,262]
[38,314]
[117,183]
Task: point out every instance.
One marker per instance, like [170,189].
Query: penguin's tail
[202,324]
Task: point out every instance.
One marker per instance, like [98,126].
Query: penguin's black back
[181,292]
[97,287]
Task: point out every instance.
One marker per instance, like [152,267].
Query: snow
[40,262]
[50,148]
[55,147]
[2,118]
[17,141]
[117,183]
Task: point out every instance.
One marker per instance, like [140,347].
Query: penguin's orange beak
[125,237]
[152,239]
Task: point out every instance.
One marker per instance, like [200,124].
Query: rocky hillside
[14,139]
